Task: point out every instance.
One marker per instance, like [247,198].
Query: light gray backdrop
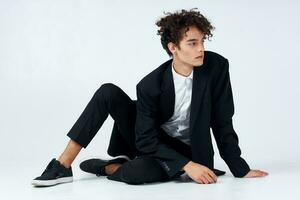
[55,54]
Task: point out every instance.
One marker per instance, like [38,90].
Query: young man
[166,132]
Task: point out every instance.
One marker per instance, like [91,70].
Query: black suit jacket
[211,107]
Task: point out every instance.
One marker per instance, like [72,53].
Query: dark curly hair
[174,25]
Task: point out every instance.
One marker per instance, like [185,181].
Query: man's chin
[199,64]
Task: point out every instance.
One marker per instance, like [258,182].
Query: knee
[107,90]
[141,171]
[132,173]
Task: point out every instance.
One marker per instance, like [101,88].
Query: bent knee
[107,90]
[140,171]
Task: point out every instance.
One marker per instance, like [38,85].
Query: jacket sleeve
[148,141]
[221,124]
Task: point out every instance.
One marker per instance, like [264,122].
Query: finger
[261,173]
[198,181]
[213,175]
[209,178]
[264,173]
[204,179]
[256,173]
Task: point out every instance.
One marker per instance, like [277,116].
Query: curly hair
[174,25]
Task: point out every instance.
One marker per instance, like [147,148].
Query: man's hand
[200,173]
[255,173]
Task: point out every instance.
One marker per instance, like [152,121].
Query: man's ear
[172,47]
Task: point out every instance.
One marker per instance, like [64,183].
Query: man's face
[191,51]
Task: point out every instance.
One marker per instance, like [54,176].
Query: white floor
[282,182]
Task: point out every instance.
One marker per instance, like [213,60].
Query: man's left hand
[255,173]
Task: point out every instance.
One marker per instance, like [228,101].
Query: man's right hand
[200,173]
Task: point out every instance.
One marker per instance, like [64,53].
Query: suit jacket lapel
[167,100]
[199,84]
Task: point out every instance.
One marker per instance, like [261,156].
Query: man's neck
[182,68]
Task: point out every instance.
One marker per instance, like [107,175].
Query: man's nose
[201,48]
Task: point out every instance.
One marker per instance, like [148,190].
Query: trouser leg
[108,99]
[119,144]
[143,169]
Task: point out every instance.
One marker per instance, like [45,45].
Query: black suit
[211,107]
[137,133]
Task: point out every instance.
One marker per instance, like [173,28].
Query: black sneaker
[97,166]
[54,173]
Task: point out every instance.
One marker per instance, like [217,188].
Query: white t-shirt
[178,125]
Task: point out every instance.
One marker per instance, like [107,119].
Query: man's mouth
[199,57]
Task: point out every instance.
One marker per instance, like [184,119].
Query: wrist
[185,167]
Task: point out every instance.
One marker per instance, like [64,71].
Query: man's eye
[192,44]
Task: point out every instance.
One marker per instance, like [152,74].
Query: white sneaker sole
[51,182]
[122,156]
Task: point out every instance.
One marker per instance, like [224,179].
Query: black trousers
[110,99]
